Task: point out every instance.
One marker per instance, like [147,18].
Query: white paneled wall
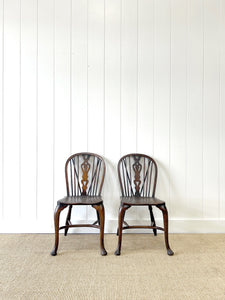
[112,77]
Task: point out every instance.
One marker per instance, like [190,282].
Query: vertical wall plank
[129,77]
[145,80]
[129,96]
[112,78]
[11,109]
[79,76]
[62,73]
[28,107]
[194,108]
[96,76]
[112,105]
[45,111]
[211,109]
[1,101]
[79,119]
[162,97]
[145,83]
[96,86]
[222,110]
[178,106]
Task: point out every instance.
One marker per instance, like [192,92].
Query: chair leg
[98,217]
[165,221]
[101,213]
[68,219]
[122,211]
[152,219]
[58,210]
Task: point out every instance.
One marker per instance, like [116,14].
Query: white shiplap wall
[112,77]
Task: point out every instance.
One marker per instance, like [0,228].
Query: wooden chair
[85,174]
[138,177]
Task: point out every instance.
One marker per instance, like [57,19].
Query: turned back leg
[152,219]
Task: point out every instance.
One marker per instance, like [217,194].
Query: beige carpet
[143,271]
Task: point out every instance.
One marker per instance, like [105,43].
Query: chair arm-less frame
[138,177]
[84,174]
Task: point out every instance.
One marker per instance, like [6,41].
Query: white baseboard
[175,226]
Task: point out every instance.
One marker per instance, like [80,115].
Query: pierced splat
[137,169]
[85,167]
[137,175]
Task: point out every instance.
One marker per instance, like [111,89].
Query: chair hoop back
[137,175]
[85,174]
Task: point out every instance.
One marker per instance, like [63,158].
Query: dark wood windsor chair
[138,177]
[84,174]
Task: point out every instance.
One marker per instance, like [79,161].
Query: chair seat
[81,200]
[141,201]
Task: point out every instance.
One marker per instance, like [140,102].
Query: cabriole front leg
[165,221]
[122,210]
[58,210]
[101,219]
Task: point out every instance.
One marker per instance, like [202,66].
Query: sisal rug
[143,271]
